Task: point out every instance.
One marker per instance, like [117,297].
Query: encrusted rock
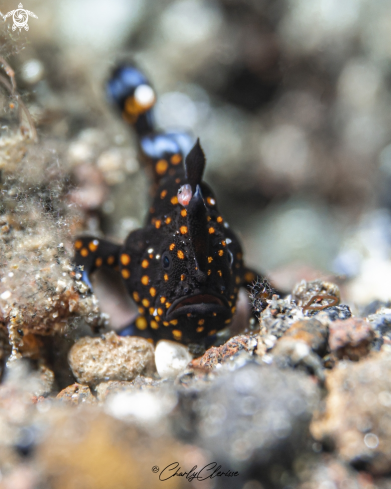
[110,357]
[357,414]
[350,338]
[302,346]
[38,294]
[76,394]
[297,354]
[278,317]
[171,358]
[218,355]
[316,295]
[310,331]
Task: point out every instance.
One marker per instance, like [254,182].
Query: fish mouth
[200,304]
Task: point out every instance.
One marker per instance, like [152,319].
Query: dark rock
[336,312]
[254,420]
[278,317]
[301,347]
[350,338]
[381,324]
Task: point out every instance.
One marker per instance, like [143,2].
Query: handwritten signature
[209,471]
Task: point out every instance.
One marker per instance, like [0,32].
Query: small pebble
[111,357]
[171,358]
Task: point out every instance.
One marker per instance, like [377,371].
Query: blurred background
[291,100]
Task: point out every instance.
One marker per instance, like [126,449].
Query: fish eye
[166,260]
[230,258]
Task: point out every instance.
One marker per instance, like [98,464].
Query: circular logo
[20,18]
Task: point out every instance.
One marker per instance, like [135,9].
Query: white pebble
[6,295]
[171,358]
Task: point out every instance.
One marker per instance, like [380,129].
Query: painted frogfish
[185,267]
